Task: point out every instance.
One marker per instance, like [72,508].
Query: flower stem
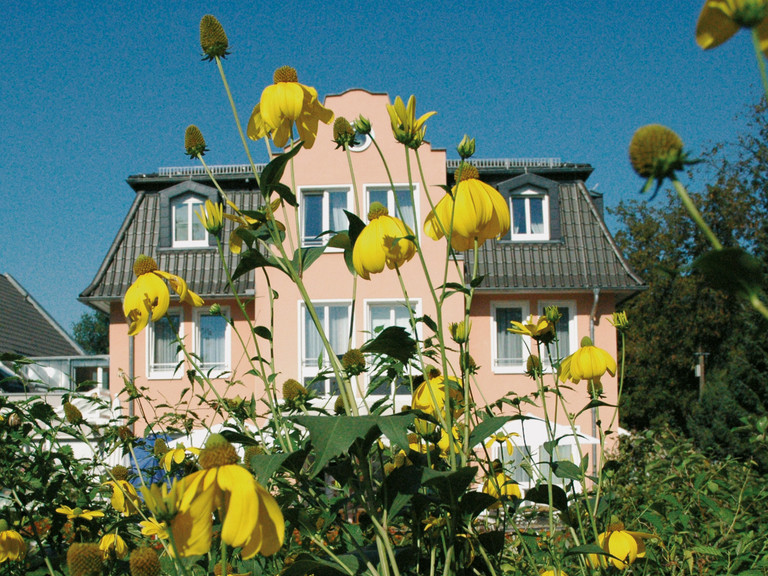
[760,60]
[694,213]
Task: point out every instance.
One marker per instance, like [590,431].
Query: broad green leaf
[540,495]
[355,226]
[486,428]
[273,172]
[477,281]
[395,428]
[451,484]
[332,436]
[732,270]
[566,469]
[251,260]
[263,332]
[393,341]
[265,465]
[309,255]
[594,404]
[286,194]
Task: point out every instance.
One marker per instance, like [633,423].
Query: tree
[92,332]
[680,314]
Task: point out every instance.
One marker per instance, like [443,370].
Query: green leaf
[251,260]
[477,281]
[309,255]
[263,332]
[732,270]
[307,565]
[355,226]
[332,436]
[566,469]
[450,484]
[431,324]
[472,503]
[455,287]
[486,428]
[273,172]
[395,428]
[586,549]
[265,465]
[540,495]
[394,341]
[286,194]
[594,404]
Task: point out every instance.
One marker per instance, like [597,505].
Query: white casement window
[188,231]
[560,453]
[386,196]
[163,352]
[323,210]
[212,341]
[529,216]
[382,315]
[334,318]
[567,337]
[510,351]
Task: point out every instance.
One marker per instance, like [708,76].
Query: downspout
[592,313]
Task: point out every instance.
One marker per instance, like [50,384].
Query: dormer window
[529,215]
[188,231]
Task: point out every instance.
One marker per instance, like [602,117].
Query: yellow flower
[284,103]
[406,128]
[382,241]
[12,545]
[177,455]
[588,363]
[149,296]
[444,443]
[721,19]
[542,329]
[477,209]
[552,572]
[429,397]
[124,496]
[212,217]
[152,527]
[113,545]
[251,517]
[74,513]
[163,502]
[501,487]
[502,439]
[623,546]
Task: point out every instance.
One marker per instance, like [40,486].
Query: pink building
[558,251]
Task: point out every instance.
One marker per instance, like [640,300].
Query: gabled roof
[583,257]
[141,233]
[26,328]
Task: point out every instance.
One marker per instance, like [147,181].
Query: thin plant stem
[694,213]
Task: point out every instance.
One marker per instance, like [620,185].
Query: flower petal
[714,26]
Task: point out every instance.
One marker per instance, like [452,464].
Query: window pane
[509,347]
[180,221]
[313,217]
[338,328]
[381,317]
[164,345]
[198,231]
[337,203]
[406,205]
[536,206]
[313,345]
[519,225]
[213,333]
[563,332]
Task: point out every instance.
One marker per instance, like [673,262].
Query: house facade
[558,252]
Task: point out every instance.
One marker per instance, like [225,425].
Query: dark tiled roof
[140,234]
[584,258]
[26,328]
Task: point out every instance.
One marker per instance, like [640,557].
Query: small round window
[362,141]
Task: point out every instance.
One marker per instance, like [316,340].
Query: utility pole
[699,370]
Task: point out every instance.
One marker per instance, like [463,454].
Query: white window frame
[573,337]
[525,307]
[529,236]
[326,211]
[308,367]
[154,373]
[217,371]
[187,202]
[391,206]
[369,328]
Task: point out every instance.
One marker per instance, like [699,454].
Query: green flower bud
[466,147]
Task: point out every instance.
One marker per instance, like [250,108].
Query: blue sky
[95,92]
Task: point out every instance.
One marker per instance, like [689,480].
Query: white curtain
[509,347]
[213,338]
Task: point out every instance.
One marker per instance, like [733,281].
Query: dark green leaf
[286,194]
[273,172]
[355,226]
[540,495]
[486,428]
[493,542]
[263,332]
[566,469]
[732,270]
[265,465]
[450,484]
[393,341]
[430,323]
[477,281]
[472,503]
[309,255]
[251,260]
[586,549]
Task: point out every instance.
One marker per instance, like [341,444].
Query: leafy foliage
[92,332]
